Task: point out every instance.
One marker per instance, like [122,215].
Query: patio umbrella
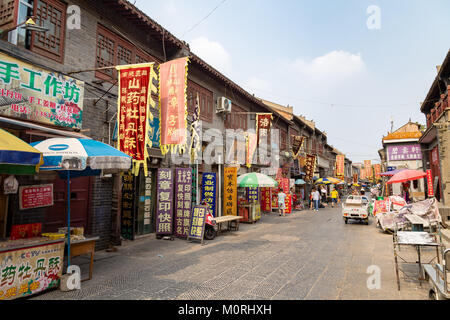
[323,181]
[407,175]
[17,156]
[256,180]
[334,180]
[391,173]
[83,157]
[300,182]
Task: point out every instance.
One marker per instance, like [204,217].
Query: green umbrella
[256,180]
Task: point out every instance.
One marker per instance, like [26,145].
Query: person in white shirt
[316,199]
[282,202]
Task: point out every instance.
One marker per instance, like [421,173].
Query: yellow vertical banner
[230,191]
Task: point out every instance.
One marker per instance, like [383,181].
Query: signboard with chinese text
[252,194]
[405,152]
[128,206]
[209,191]
[251,148]
[197,223]
[288,203]
[35,196]
[26,231]
[340,165]
[183,201]
[36,94]
[310,167]
[381,206]
[164,204]
[430,184]
[266,199]
[28,271]
[297,145]
[377,171]
[368,169]
[230,191]
[263,125]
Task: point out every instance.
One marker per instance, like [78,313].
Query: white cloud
[258,84]
[213,53]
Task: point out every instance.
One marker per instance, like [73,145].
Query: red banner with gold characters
[173,105]
[377,171]
[368,169]
[430,184]
[135,96]
[340,165]
[266,199]
[310,166]
[263,125]
[355,178]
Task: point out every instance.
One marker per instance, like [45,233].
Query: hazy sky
[320,57]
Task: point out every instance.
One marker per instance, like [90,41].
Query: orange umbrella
[407,175]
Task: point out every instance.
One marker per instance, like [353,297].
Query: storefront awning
[28,125]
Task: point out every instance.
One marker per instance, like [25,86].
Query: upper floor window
[50,14]
[237,119]
[205,97]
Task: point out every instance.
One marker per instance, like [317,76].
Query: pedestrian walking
[334,197]
[316,199]
[311,201]
[282,202]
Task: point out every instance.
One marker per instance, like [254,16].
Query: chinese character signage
[284,185]
[263,125]
[230,191]
[310,167]
[209,191]
[26,231]
[297,145]
[128,206]
[35,196]
[29,271]
[430,184]
[197,222]
[183,201]
[266,199]
[135,98]
[164,209]
[368,169]
[340,165]
[31,93]
[288,203]
[355,178]
[377,171]
[252,194]
[147,202]
[381,206]
[173,105]
[405,152]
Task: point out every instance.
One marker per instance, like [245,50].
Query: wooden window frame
[206,98]
[236,121]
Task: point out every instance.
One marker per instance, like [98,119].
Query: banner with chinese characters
[28,271]
[263,125]
[288,203]
[134,102]
[297,145]
[209,191]
[147,199]
[183,201]
[368,169]
[340,166]
[252,143]
[230,191]
[430,184]
[377,171]
[128,206]
[310,167]
[252,194]
[355,178]
[164,205]
[284,184]
[31,93]
[266,199]
[197,223]
[404,152]
[173,105]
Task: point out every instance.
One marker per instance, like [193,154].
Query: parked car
[356,208]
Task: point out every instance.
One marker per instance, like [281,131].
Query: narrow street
[303,256]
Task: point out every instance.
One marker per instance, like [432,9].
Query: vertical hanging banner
[377,171]
[266,197]
[173,105]
[310,167]
[430,184]
[368,168]
[252,143]
[164,209]
[355,178]
[297,145]
[209,191]
[230,191]
[183,201]
[340,165]
[128,206]
[135,97]
[263,125]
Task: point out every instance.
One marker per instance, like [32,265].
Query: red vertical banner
[263,125]
[340,166]
[135,90]
[288,203]
[266,199]
[430,184]
[377,171]
[173,105]
[368,169]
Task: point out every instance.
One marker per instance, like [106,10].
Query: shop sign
[230,191]
[251,148]
[340,165]
[405,152]
[288,203]
[355,178]
[430,184]
[29,271]
[297,145]
[252,195]
[284,185]
[197,223]
[275,192]
[35,94]
[148,201]
[164,211]
[209,191]
[310,167]
[266,201]
[128,206]
[368,169]
[35,196]
[377,171]
[183,201]
[26,231]
[263,125]
[435,156]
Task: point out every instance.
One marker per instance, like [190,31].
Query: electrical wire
[206,17]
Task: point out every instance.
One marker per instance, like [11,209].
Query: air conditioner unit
[223,105]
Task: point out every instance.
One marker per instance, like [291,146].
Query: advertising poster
[209,191]
[164,205]
[230,191]
[183,186]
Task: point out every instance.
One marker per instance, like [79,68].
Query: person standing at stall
[282,202]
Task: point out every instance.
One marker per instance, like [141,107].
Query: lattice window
[124,55]
[7,13]
[105,53]
[51,15]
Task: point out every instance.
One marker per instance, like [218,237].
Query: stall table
[231,220]
[83,247]
[253,212]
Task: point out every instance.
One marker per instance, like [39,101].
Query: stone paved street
[303,256]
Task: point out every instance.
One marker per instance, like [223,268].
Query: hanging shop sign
[173,105]
[430,184]
[266,199]
[368,169]
[209,191]
[340,165]
[164,209]
[28,271]
[35,196]
[288,203]
[230,191]
[297,145]
[252,195]
[405,152]
[252,141]
[310,166]
[134,103]
[197,223]
[377,171]
[35,94]
[355,178]
[263,125]
[128,206]
[183,201]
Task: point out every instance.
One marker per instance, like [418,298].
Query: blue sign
[391,169]
[209,191]
[154,134]
[253,194]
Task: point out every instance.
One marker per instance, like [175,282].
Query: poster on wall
[183,201]
[35,94]
[164,205]
[128,206]
[230,191]
[39,196]
[209,191]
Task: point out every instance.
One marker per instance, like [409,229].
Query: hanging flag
[230,191]
[310,166]
[377,171]
[297,145]
[340,166]
[368,168]
[263,125]
[135,97]
[252,143]
[173,105]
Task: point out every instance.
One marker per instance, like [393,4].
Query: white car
[357,208]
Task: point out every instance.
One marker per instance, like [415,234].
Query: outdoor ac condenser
[223,105]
